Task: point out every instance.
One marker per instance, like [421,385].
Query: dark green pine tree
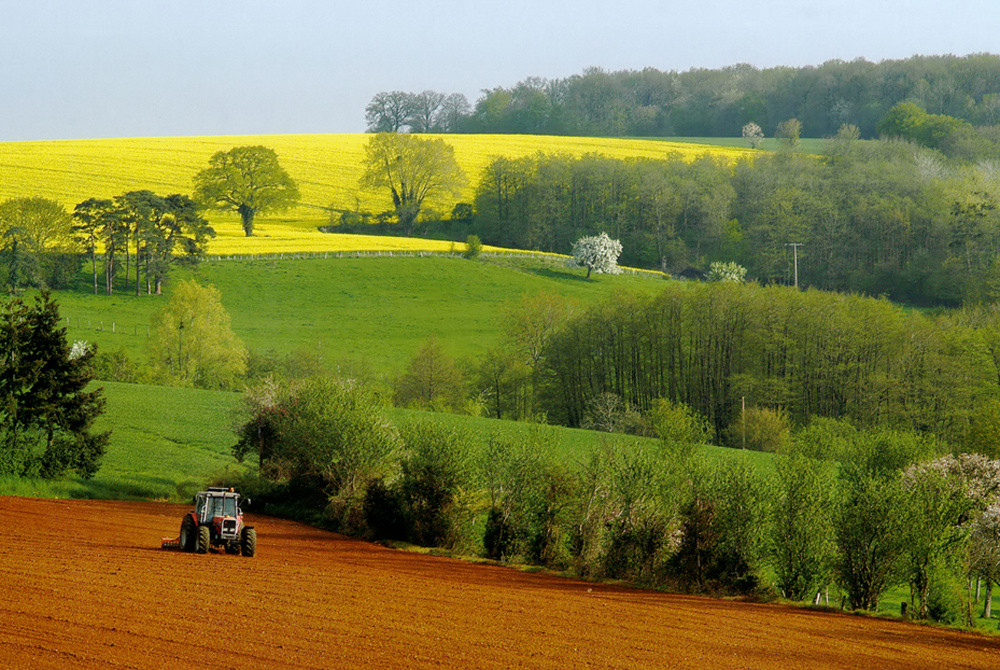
[46,415]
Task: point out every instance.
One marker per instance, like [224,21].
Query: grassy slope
[374,310]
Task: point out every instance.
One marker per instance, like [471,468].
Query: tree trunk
[988,602]
[93,262]
[247,216]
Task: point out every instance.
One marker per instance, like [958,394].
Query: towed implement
[216,521]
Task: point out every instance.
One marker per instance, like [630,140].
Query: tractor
[216,521]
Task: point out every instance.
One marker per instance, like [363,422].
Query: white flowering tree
[753,134]
[598,254]
[731,272]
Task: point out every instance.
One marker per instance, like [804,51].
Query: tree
[38,244]
[46,416]
[42,223]
[802,546]
[325,431]
[389,112]
[790,131]
[247,180]
[425,108]
[753,135]
[731,272]
[431,381]
[93,217]
[193,343]
[598,254]
[412,169]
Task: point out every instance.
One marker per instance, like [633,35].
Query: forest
[883,217]
[710,102]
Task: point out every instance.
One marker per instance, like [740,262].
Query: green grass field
[375,311]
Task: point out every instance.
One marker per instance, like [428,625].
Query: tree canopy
[247,180]
[193,344]
[412,169]
[46,416]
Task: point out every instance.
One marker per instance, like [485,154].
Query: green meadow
[375,311]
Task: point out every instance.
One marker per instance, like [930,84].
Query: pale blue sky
[196,67]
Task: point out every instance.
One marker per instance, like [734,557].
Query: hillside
[326,168]
[371,310]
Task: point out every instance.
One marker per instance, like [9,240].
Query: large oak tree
[247,180]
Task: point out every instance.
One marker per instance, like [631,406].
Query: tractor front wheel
[248,542]
[204,539]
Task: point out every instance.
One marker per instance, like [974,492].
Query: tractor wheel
[188,533]
[204,539]
[248,542]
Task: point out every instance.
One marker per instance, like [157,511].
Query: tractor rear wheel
[204,539]
[248,542]
[188,532]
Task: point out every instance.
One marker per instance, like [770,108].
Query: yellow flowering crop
[326,168]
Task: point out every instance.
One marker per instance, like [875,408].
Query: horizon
[133,68]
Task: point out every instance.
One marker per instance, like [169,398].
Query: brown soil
[85,585]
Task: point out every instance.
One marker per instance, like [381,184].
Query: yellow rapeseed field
[326,168]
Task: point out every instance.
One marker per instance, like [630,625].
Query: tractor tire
[248,542]
[204,539]
[188,533]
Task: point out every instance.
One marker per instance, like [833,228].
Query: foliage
[431,381]
[473,247]
[598,254]
[412,169]
[753,134]
[760,429]
[650,102]
[731,272]
[46,415]
[327,432]
[677,423]
[36,244]
[790,131]
[802,545]
[724,529]
[247,180]
[809,353]
[193,343]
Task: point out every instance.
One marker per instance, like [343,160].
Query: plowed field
[85,585]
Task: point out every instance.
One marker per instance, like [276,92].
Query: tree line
[719,102]
[882,218]
[851,510]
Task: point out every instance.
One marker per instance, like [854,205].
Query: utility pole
[795,254]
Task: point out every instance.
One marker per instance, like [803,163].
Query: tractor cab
[216,503]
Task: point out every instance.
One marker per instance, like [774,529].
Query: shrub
[760,429]
[473,247]
[676,422]
[436,470]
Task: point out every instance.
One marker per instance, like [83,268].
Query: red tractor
[217,521]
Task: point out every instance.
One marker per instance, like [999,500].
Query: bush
[436,470]
[383,512]
[677,423]
[473,247]
[760,429]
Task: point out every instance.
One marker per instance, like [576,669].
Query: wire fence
[77,323]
